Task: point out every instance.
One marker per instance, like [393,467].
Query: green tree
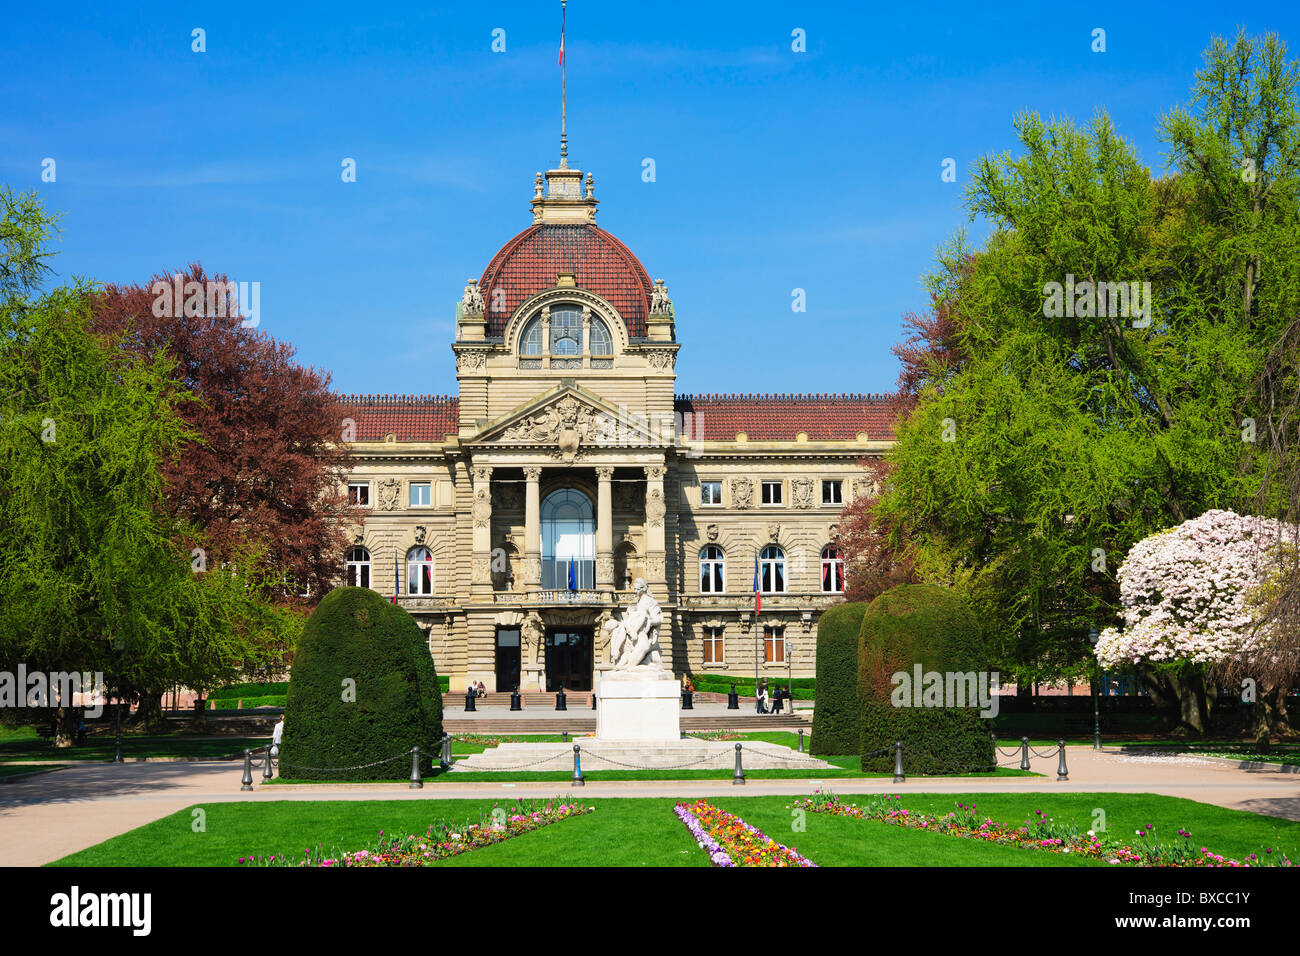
[94,576]
[1082,420]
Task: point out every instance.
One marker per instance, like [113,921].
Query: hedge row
[235,691]
[835,719]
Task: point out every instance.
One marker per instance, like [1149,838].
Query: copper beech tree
[268,469]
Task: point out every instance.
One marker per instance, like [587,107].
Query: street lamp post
[1096,707]
[118,645]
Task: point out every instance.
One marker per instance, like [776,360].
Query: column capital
[482,473]
[605,472]
[655,472]
[533,472]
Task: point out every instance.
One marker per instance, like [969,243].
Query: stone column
[481,570]
[655,510]
[605,528]
[533,529]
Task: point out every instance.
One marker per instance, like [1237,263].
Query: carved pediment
[569,419]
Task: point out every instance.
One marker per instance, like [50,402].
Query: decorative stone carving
[634,639]
[482,506]
[537,187]
[390,493]
[711,532]
[359,537]
[605,473]
[532,569]
[661,359]
[865,488]
[533,474]
[471,360]
[509,497]
[567,422]
[421,533]
[660,304]
[801,491]
[605,567]
[654,566]
[533,634]
[773,532]
[655,472]
[742,492]
[482,568]
[471,301]
[655,509]
[625,496]
[833,533]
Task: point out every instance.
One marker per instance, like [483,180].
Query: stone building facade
[512,518]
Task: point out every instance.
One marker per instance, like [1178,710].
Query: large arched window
[832,569]
[599,340]
[712,570]
[771,566]
[419,571]
[566,332]
[530,343]
[357,564]
[568,541]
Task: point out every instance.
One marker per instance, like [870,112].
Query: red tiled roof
[529,263]
[712,417]
[408,417]
[782,417]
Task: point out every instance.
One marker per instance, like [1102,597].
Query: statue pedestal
[641,703]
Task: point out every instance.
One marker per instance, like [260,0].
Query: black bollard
[801,740]
[733,700]
[1061,772]
[899,776]
[445,760]
[687,702]
[577,767]
[1024,753]
[738,777]
[593,700]
[561,702]
[247,782]
[516,702]
[469,701]
[417,781]
[267,770]
[564,736]
[994,738]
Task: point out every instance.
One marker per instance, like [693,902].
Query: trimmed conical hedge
[363,689]
[934,627]
[836,716]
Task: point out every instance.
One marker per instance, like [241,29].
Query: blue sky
[775,170]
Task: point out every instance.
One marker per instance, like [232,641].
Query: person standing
[277,737]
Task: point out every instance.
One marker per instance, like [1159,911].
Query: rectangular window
[774,645]
[713,653]
[771,492]
[832,492]
[359,493]
[710,492]
[419,494]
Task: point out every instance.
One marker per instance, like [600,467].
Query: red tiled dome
[529,263]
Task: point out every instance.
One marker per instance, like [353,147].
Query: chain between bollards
[899,776]
[578,781]
[738,777]
[1061,772]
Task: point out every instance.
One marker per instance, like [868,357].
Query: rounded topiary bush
[933,627]
[363,689]
[836,714]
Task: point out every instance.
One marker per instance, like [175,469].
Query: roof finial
[564,138]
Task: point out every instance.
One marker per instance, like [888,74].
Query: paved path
[45,817]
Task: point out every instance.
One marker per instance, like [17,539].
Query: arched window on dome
[566,331]
[600,341]
[531,340]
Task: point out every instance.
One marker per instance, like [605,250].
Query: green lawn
[644,832]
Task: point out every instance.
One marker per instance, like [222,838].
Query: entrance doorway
[507,659]
[568,659]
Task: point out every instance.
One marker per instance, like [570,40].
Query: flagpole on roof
[564,138]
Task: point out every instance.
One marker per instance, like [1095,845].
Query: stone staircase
[595,754]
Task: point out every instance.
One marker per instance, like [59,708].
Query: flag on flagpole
[758,588]
[562,13]
[573,581]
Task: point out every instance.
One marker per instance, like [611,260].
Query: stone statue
[471,301]
[634,641]
[660,304]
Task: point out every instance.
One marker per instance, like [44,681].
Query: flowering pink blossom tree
[1194,599]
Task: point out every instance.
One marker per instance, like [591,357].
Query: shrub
[934,627]
[357,640]
[836,716]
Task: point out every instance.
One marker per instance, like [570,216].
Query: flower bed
[1040,832]
[440,841]
[730,841]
